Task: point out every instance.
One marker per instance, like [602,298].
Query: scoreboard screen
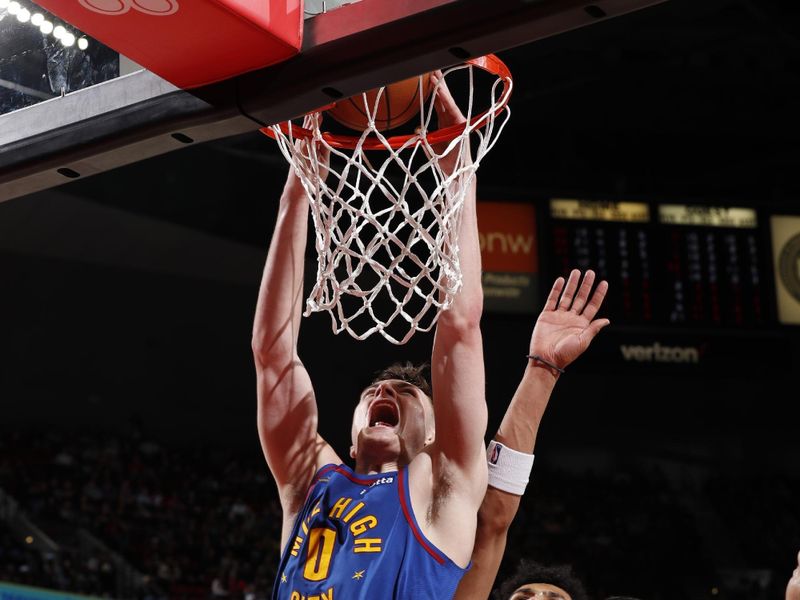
[667,264]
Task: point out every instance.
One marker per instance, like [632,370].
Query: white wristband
[509,470]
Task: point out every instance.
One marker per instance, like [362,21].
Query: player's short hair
[530,571]
[408,372]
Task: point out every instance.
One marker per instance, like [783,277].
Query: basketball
[398,103]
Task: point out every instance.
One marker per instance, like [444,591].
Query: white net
[387,218]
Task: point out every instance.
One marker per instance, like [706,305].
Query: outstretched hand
[793,588]
[567,325]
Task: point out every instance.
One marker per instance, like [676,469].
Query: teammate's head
[394,415]
[535,581]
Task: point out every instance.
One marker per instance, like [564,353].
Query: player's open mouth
[383,413]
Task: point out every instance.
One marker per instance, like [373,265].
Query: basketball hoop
[387,225]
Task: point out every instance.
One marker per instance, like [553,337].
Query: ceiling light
[37,19]
[24,15]
[59,31]
[83,43]
[14,8]
[68,39]
[46,27]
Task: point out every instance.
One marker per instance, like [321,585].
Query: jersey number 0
[321,541]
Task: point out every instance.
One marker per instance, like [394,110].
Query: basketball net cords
[342,216]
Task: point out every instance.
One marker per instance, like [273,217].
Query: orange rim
[489,63]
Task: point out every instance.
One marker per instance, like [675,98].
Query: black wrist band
[537,358]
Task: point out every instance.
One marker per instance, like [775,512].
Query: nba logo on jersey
[495,456]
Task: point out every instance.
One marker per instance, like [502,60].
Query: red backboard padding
[191,42]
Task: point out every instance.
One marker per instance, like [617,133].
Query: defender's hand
[566,327]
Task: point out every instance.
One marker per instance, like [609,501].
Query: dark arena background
[660,148]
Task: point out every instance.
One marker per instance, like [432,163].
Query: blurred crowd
[763,510]
[204,522]
[619,531]
[64,570]
[194,522]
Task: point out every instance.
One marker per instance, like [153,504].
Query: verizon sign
[658,353]
[707,351]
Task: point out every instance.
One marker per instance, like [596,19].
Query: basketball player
[401,524]
[534,581]
[563,331]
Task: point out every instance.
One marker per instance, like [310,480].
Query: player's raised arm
[563,331]
[457,368]
[457,363]
[287,410]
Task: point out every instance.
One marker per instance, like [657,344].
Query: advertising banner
[509,256]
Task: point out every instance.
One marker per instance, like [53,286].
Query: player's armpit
[448,481]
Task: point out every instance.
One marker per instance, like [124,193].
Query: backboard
[103,117]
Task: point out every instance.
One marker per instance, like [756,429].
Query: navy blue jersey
[357,538]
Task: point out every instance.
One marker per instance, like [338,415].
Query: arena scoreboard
[670,264]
